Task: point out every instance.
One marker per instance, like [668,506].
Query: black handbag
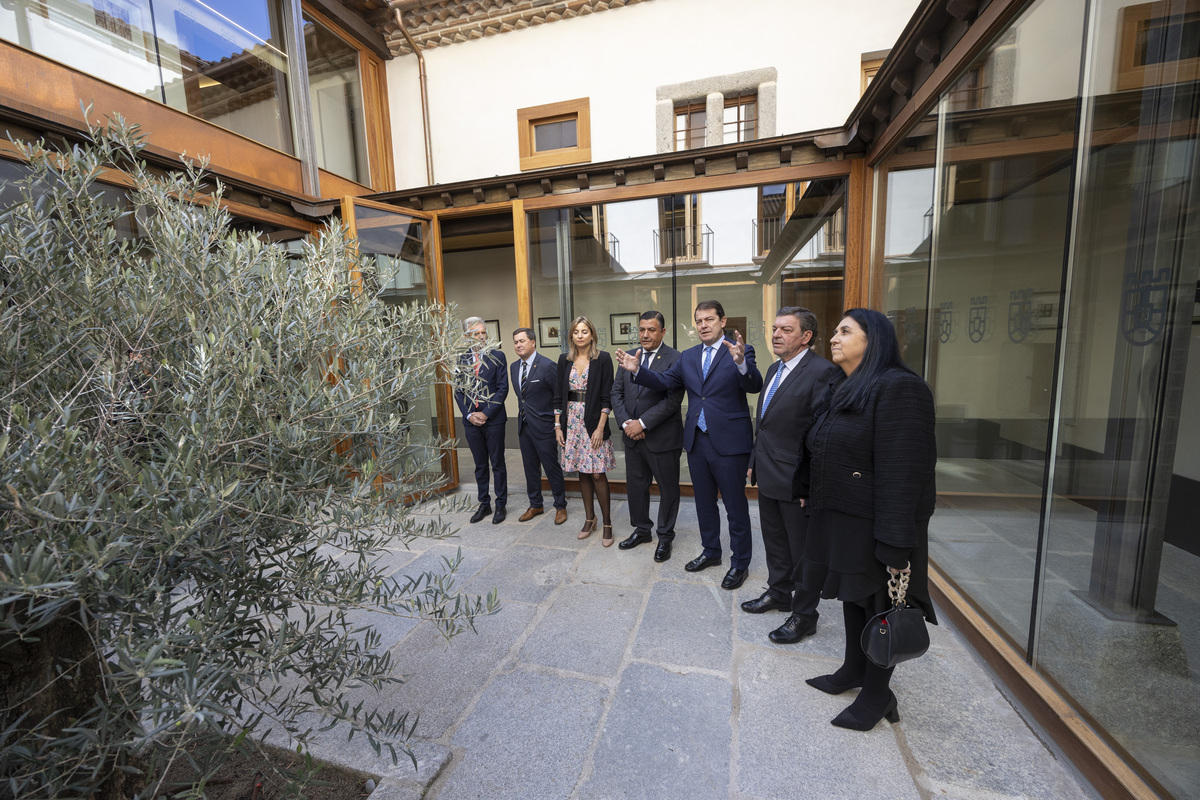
[898,634]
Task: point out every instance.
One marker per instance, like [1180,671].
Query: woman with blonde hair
[583,391]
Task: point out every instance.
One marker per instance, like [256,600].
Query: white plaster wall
[617,58]
[1048,47]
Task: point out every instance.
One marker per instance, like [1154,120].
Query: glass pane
[904,262]
[999,236]
[224,61]
[110,39]
[1118,629]
[399,270]
[335,94]
[555,135]
[815,276]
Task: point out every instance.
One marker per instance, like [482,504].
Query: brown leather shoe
[530,513]
[560,516]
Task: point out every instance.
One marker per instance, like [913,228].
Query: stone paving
[606,675]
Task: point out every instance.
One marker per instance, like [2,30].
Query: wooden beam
[521,257]
[989,23]
[710,183]
[858,214]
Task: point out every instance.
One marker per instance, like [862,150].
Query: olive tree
[206,444]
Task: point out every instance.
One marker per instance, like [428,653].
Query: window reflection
[335,95]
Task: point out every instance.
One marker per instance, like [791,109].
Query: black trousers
[643,465]
[487,446]
[784,530]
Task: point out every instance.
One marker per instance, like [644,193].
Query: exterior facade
[1014,183]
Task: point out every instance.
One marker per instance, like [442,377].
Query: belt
[577,397]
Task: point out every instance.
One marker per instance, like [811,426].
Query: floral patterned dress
[578,454]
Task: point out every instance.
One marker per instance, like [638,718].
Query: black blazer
[779,433]
[597,397]
[536,403]
[879,464]
[659,410]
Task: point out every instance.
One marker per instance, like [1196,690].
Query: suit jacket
[599,391]
[537,400]
[780,432]
[722,395]
[658,410]
[494,377]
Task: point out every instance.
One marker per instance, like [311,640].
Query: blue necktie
[708,351]
[774,385]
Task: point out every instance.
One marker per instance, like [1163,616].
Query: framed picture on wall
[624,328]
[493,329]
[548,334]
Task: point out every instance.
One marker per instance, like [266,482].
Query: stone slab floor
[606,675]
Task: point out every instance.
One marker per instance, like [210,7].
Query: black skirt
[840,563]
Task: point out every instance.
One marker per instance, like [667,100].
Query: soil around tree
[269,768]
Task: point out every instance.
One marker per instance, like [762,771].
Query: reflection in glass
[335,94]
[1122,544]
[904,262]
[998,249]
[555,135]
[221,60]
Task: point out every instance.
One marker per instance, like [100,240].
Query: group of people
[842,453]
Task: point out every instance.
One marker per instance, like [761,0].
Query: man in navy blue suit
[533,378]
[717,374]
[483,419]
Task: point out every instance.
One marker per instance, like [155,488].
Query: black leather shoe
[634,540]
[793,630]
[768,602]
[663,551]
[499,516]
[483,510]
[701,562]
[734,578]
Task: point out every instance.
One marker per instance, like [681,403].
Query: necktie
[774,385]
[477,364]
[707,363]
[646,356]
[524,374]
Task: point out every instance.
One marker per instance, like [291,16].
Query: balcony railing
[764,232]
[688,244]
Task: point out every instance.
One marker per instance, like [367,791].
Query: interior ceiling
[438,23]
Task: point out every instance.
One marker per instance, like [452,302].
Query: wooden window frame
[529,118]
[740,101]
[1130,74]
[377,118]
[870,68]
[686,110]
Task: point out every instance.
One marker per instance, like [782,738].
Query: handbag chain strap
[898,586]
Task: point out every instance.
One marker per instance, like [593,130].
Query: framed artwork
[548,333]
[624,328]
[493,329]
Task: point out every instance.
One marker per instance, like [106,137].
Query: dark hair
[528,332]
[662,322]
[710,305]
[882,354]
[808,320]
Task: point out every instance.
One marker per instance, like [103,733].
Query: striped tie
[708,351]
[774,385]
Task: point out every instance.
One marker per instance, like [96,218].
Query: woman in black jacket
[867,475]
[581,407]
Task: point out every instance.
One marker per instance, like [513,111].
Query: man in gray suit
[793,386]
[652,432]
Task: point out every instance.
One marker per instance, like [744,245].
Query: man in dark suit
[652,433]
[795,384]
[533,377]
[483,419]
[717,374]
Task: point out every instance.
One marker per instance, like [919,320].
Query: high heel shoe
[588,526]
[607,539]
[825,684]
[852,720]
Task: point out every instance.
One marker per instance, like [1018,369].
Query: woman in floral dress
[585,379]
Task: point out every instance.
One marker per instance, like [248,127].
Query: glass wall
[611,262]
[222,60]
[335,96]
[1060,263]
